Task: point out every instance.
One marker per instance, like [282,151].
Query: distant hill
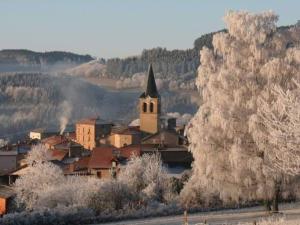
[180,65]
[26,60]
[165,62]
[175,68]
[94,68]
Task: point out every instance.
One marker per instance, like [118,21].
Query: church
[110,144]
[159,133]
[155,132]
[150,106]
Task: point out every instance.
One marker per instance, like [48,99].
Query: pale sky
[120,28]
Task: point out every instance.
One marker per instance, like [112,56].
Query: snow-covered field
[290,215]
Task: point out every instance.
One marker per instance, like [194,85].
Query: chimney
[70,149]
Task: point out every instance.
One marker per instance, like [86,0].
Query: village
[99,148]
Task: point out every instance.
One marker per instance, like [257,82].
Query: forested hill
[165,62]
[19,59]
[177,65]
[174,64]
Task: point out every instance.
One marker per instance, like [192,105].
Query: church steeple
[150,106]
[151,89]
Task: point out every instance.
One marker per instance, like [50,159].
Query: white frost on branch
[38,154]
[280,129]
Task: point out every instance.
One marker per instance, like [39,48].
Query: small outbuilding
[41,133]
[6,194]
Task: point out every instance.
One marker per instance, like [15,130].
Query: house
[12,156]
[78,167]
[8,161]
[69,157]
[162,139]
[90,131]
[6,194]
[41,133]
[52,141]
[72,148]
[105,161]
[11,177]
[172,157]
[124,136]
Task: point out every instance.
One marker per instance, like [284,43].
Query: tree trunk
[267,204]
[276,200]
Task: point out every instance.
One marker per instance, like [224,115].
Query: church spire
[149,106]
[151,89]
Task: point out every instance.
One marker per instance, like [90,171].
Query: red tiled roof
[130,150]
[82,163]
[54,140]
[102,157]
[58,154]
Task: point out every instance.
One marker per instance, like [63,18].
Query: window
[151,107]
[144,107]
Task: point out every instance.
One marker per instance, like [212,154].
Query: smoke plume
[65,117]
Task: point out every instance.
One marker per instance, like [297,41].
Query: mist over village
[149,112]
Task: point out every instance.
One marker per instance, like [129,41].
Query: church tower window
[151,107]
[144,107]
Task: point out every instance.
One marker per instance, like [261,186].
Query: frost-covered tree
[71,192]
[243,65]
[112,195]
[45,186]
[147,177]
[38,153]
[38,178]
[142,181]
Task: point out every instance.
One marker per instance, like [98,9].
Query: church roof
[151,89]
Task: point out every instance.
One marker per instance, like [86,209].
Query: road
[290,211]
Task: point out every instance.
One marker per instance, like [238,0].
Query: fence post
[185,219]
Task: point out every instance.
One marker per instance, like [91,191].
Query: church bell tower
[149,106]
